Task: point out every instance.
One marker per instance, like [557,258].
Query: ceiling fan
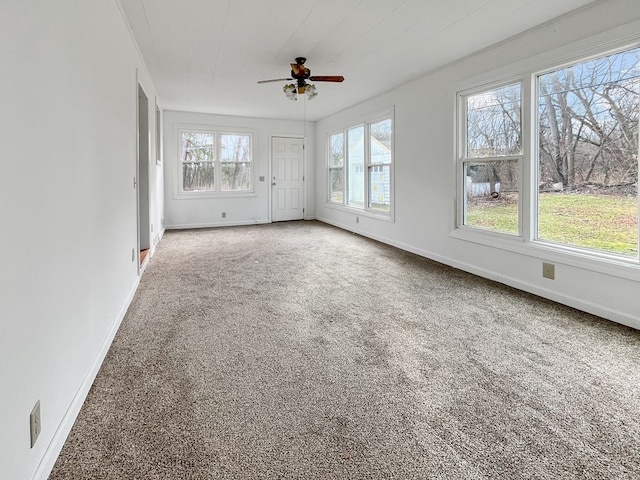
[301,74]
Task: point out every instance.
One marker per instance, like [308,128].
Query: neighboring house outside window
[360,167]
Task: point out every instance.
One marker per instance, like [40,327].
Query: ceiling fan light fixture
[300,74]
[290,91]
[311,91]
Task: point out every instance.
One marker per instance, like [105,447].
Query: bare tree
[588,123]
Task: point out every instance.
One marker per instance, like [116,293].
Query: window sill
[613,265]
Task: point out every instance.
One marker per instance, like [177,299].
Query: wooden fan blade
[327,78]
[275,80]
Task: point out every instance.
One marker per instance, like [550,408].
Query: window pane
[588,154]
[235,176]
[197,147]
[381,142]
[380,187]
[197,162]
[356,184]
[197,176]
[336,185]
[336,144]
[235,148]
[493,123]
[235,156]
[355,163]
[491,199]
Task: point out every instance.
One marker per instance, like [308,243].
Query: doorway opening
[144,234]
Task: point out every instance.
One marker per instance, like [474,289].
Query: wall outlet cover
[548,270]
[35,423]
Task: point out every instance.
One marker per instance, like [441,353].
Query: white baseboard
[64,428]
[187,226]
[577,303]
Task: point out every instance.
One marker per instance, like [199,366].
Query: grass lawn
[601,222]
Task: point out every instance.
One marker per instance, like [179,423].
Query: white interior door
[287,181]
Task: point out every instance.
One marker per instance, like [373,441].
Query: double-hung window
[379,166]
[212,161]
[360,166]
[490,159]
[587,154]
[579,164]
[336,168]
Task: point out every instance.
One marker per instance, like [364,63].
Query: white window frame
[217,192]
[158,134]
[363,210]
[463,158]
[331,167]
[527,243]
[535,197]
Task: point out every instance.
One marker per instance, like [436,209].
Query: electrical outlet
[548,270]
[224,214]
[35,423]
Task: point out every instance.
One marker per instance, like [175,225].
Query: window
[355,161]
[587,145]
[158,136]
[491,158]
[336,168]
[360,166]
[235,160]
[198,153]
[379,166]
[215,161]
[580,162]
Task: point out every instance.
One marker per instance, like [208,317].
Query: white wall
[242,210]
[425,167]
[68,145]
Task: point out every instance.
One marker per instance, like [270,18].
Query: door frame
[142,173]
[304,171]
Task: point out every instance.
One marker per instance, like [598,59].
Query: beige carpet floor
[300,351]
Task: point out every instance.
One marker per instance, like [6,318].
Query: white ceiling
[207,55]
